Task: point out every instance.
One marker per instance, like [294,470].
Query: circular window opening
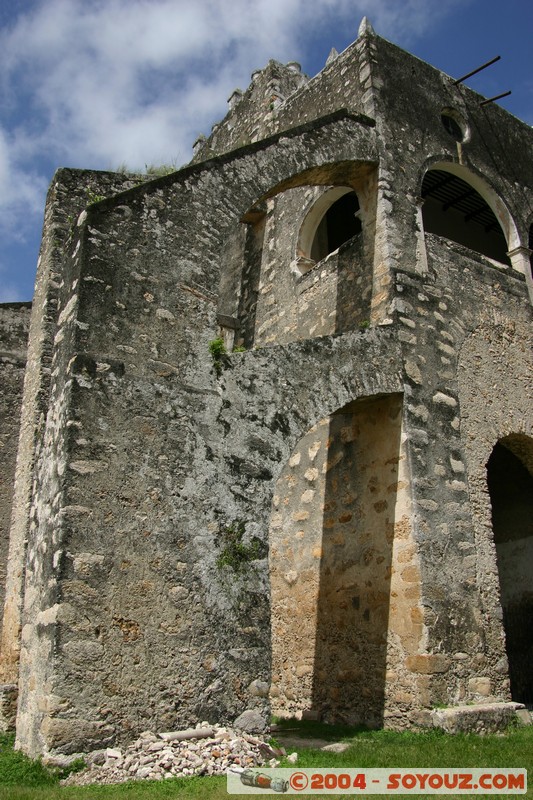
[454,125]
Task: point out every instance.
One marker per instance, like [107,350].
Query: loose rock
[209,751]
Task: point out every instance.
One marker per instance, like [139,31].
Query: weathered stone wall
[496,395]
[14,324]
[452,431]
[253,114]
[281,97]
[341,84]
[70,192]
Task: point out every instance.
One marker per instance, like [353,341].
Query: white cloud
[98,83]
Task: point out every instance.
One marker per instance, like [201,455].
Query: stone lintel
[228,322]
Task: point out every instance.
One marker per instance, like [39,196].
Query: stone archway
[510,484]
[342,614]
[456,209]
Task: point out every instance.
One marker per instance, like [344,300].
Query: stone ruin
[275,450]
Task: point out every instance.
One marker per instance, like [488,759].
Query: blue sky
[99,83]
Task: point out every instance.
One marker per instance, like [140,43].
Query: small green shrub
[16,769]
[92,197]
[235,553]
[217,349]
[160,170]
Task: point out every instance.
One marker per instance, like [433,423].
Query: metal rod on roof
[497,97]
[475,71]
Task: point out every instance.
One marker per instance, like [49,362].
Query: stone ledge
[482,718]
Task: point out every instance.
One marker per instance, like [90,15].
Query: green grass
[22,779]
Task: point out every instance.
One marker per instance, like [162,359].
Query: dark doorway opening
[510,485]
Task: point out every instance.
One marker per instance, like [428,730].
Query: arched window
[337,226]
[331,222]
[454,209]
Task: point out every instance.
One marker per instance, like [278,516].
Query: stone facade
[312,515]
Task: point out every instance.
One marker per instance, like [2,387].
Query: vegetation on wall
[235,553]
[217,348]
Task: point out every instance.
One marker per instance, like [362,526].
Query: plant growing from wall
[92,197]
[160,170]
[217,350]
[235,552]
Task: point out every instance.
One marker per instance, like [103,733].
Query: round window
[454,125]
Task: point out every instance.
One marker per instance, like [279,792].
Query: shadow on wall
[331,558]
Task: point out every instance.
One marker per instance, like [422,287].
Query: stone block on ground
[483,718]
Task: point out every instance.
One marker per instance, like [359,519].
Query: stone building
[335,514]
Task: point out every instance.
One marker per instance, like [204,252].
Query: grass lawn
[21,779]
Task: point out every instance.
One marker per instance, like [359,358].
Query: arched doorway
[341,614]
[510,484]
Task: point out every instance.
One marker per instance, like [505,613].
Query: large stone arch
[275,257]
[290,291]
[496,353]
[345,576]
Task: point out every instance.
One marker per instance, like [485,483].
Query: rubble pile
[205,750]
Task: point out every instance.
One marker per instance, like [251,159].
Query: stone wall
[139,421]
[69,193]
[496,395]
[253,114]
[281,97]
[457,415]
[14,324]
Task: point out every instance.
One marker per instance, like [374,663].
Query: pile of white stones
[205,750]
